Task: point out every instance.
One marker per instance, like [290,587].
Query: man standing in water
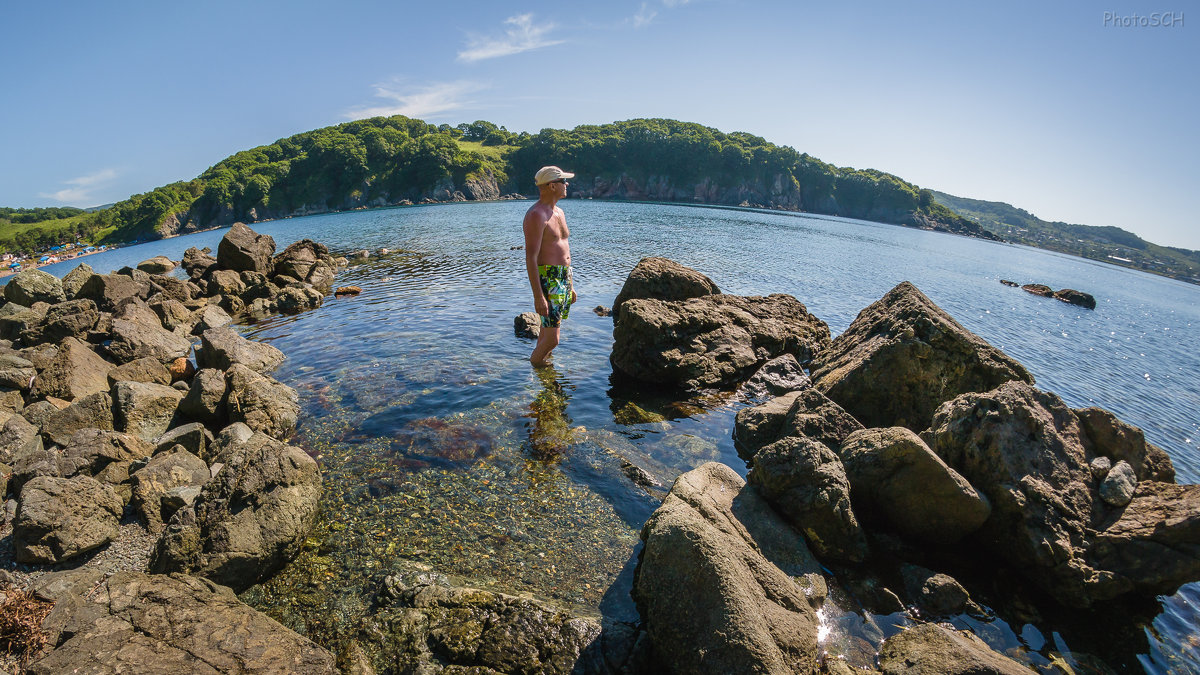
[548,259]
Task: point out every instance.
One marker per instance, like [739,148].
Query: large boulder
[75,279]
[34,285]
[94,411]
[105,456]
[75,372]
[143,335]
[138,623]
[225,282]
[59,518]
[663,279]
[1119,441]
[17,319]
[144,409]
[805,482]
[74,318]
[716,584]
[262,403]
[806,412]
[197,262]
[159,264]
[930,649]
[1153,543]
[109,290]
[249,520]
[299,258]
[902,357]
[223,347]
[243,249]
[296,298]
[210,316]
[712,341]
[205,399]
[167,470]
[16,436]
[145,369]
[894,475]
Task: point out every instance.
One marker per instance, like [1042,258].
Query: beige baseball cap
[550,173]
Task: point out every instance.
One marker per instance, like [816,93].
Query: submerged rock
[527,325]
[902,357]
[929,649]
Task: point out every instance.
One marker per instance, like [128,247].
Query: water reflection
[550,433]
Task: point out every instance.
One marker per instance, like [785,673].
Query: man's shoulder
[539,210]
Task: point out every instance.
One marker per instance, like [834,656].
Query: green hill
[1107,244]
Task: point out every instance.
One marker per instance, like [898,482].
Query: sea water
[443,450]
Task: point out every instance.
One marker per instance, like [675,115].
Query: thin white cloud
[81,188]
[421,102]
[520,35]
[644,16]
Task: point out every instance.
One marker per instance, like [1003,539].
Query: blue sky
[1057,108]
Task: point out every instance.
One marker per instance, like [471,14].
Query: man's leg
[547,340]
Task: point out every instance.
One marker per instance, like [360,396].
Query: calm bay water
[443,448]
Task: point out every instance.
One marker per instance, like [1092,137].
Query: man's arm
[534,227]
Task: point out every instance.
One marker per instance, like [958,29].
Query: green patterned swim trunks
[556,286]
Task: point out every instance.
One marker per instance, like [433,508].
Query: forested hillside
[397,160]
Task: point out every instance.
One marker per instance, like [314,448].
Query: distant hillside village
[15,262]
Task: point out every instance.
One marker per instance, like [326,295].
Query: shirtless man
[548,259]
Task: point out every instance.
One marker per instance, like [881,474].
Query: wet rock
[104,455]
[159,264]
[713,341]
[34,285]
[348,290]
[904,356]
[73,318]
[146,369]
[250,518]
[776,377]
[144,410]
[243,249]
[663,279]
[94,411]
[929,649]
[109,290]
[1119,441]
[631,413]
[142,623]
[171,469]
[205,400]
[223,347]
[197,262]
[527,325]
[322,276]
[897,477]
[58,519]
[601,310]
[1074,297]
[1119,484]
[262,403]
[807,413]
[1013,284]
[936,594]
[1039,289]
[804,480]
[298,298]
[715,584]
[75,279]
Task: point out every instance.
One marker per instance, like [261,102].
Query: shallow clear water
[441,446]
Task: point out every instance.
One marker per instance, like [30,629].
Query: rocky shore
[145,458]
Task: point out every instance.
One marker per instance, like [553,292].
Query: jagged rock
[711,341]
[1039,289]
[807,413]
[19,379]
[805,482]
[194,437]
[34,285]
[469,630]
[94,411]
[225,282]
[132,622]
[39,411]
[17,320]
[73,318]
[1119,484]
[205,400]
[1074,297]
[776,377]
[929,649]
[170,287]
[716,581]
[171,469]
[159,264]
[75,279]
[74,372]
[257,286]
[249,520]
[11,400]
[244,249]
[299,258]
[936,594]
[1153,543]
[140,337]
[210,316]
[896,476]
[1119,441]
[298,298]
[59,518]
[143,409]
[109,290]
[17,435]
[171,312]
[197,262]
[260,402]
[322,276]
[902,357]
[146,369]
[663,279]
[223,347]
[527,325]
[103,455]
